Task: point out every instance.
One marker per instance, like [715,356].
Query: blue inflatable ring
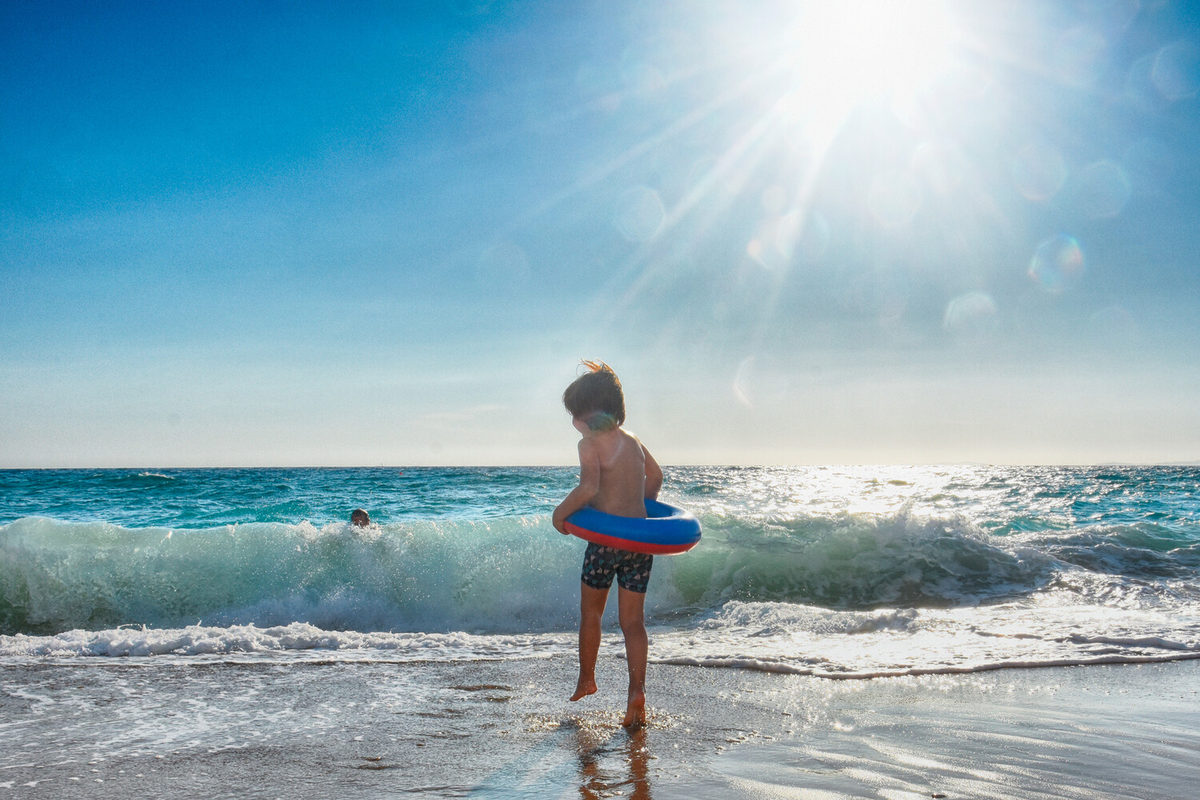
[666,530]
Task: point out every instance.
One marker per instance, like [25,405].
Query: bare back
[622,472]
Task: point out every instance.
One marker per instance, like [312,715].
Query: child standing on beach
[616,474]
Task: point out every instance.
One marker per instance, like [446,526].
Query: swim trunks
[601,563]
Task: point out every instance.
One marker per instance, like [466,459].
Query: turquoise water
[839,571]
[202,498]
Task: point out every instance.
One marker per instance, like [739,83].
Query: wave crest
[857,562]
[515,574]
[507,574]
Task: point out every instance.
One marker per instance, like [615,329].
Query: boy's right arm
[581,495]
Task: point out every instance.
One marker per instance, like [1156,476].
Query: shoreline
[505,729]
[1096,731]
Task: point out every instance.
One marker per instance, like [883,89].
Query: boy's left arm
[654,476]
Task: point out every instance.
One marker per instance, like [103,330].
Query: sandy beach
[247,728]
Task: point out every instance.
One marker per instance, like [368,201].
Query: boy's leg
[591,611]
[633,625]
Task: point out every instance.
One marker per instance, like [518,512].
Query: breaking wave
[516,575]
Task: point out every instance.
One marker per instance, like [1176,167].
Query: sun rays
[806,80]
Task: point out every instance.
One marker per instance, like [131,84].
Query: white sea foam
[766,637]
[784,668]
[296,638]
[1050,629]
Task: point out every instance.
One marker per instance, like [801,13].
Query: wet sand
[101,728]
[1079,732]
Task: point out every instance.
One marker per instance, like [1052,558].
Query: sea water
[220,633]
[839,572]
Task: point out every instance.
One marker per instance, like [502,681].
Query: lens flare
[639,74]
[1057,264]
[502,264]
[1039,171]
[970,314]
[1140,89]
[1149,165]
[759,382]
[1079,56]
[639,214]
[894,199]
[1176,71]
[1113,326]
[802,236]
[774,199]
[1103,190]
[940,166]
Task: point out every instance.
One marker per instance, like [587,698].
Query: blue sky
[385,233]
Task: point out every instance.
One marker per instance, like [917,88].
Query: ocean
[146,615]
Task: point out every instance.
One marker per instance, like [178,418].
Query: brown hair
[596,397]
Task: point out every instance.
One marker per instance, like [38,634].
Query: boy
[616,473]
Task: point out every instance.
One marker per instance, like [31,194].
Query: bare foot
[635,709]
[584,688]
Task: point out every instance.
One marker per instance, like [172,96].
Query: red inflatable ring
[666,530]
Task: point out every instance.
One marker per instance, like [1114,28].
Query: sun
[849,51]
[804,67]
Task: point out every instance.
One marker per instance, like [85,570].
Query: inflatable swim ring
[666,530]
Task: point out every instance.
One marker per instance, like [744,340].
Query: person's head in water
[595,398]
[359,518]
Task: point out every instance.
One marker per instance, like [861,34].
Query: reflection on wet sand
[598,753]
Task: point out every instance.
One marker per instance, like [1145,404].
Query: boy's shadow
[597,778]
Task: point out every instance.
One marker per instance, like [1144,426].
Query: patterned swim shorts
[601,563]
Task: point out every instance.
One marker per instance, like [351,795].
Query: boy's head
[359,518]
[596,397]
